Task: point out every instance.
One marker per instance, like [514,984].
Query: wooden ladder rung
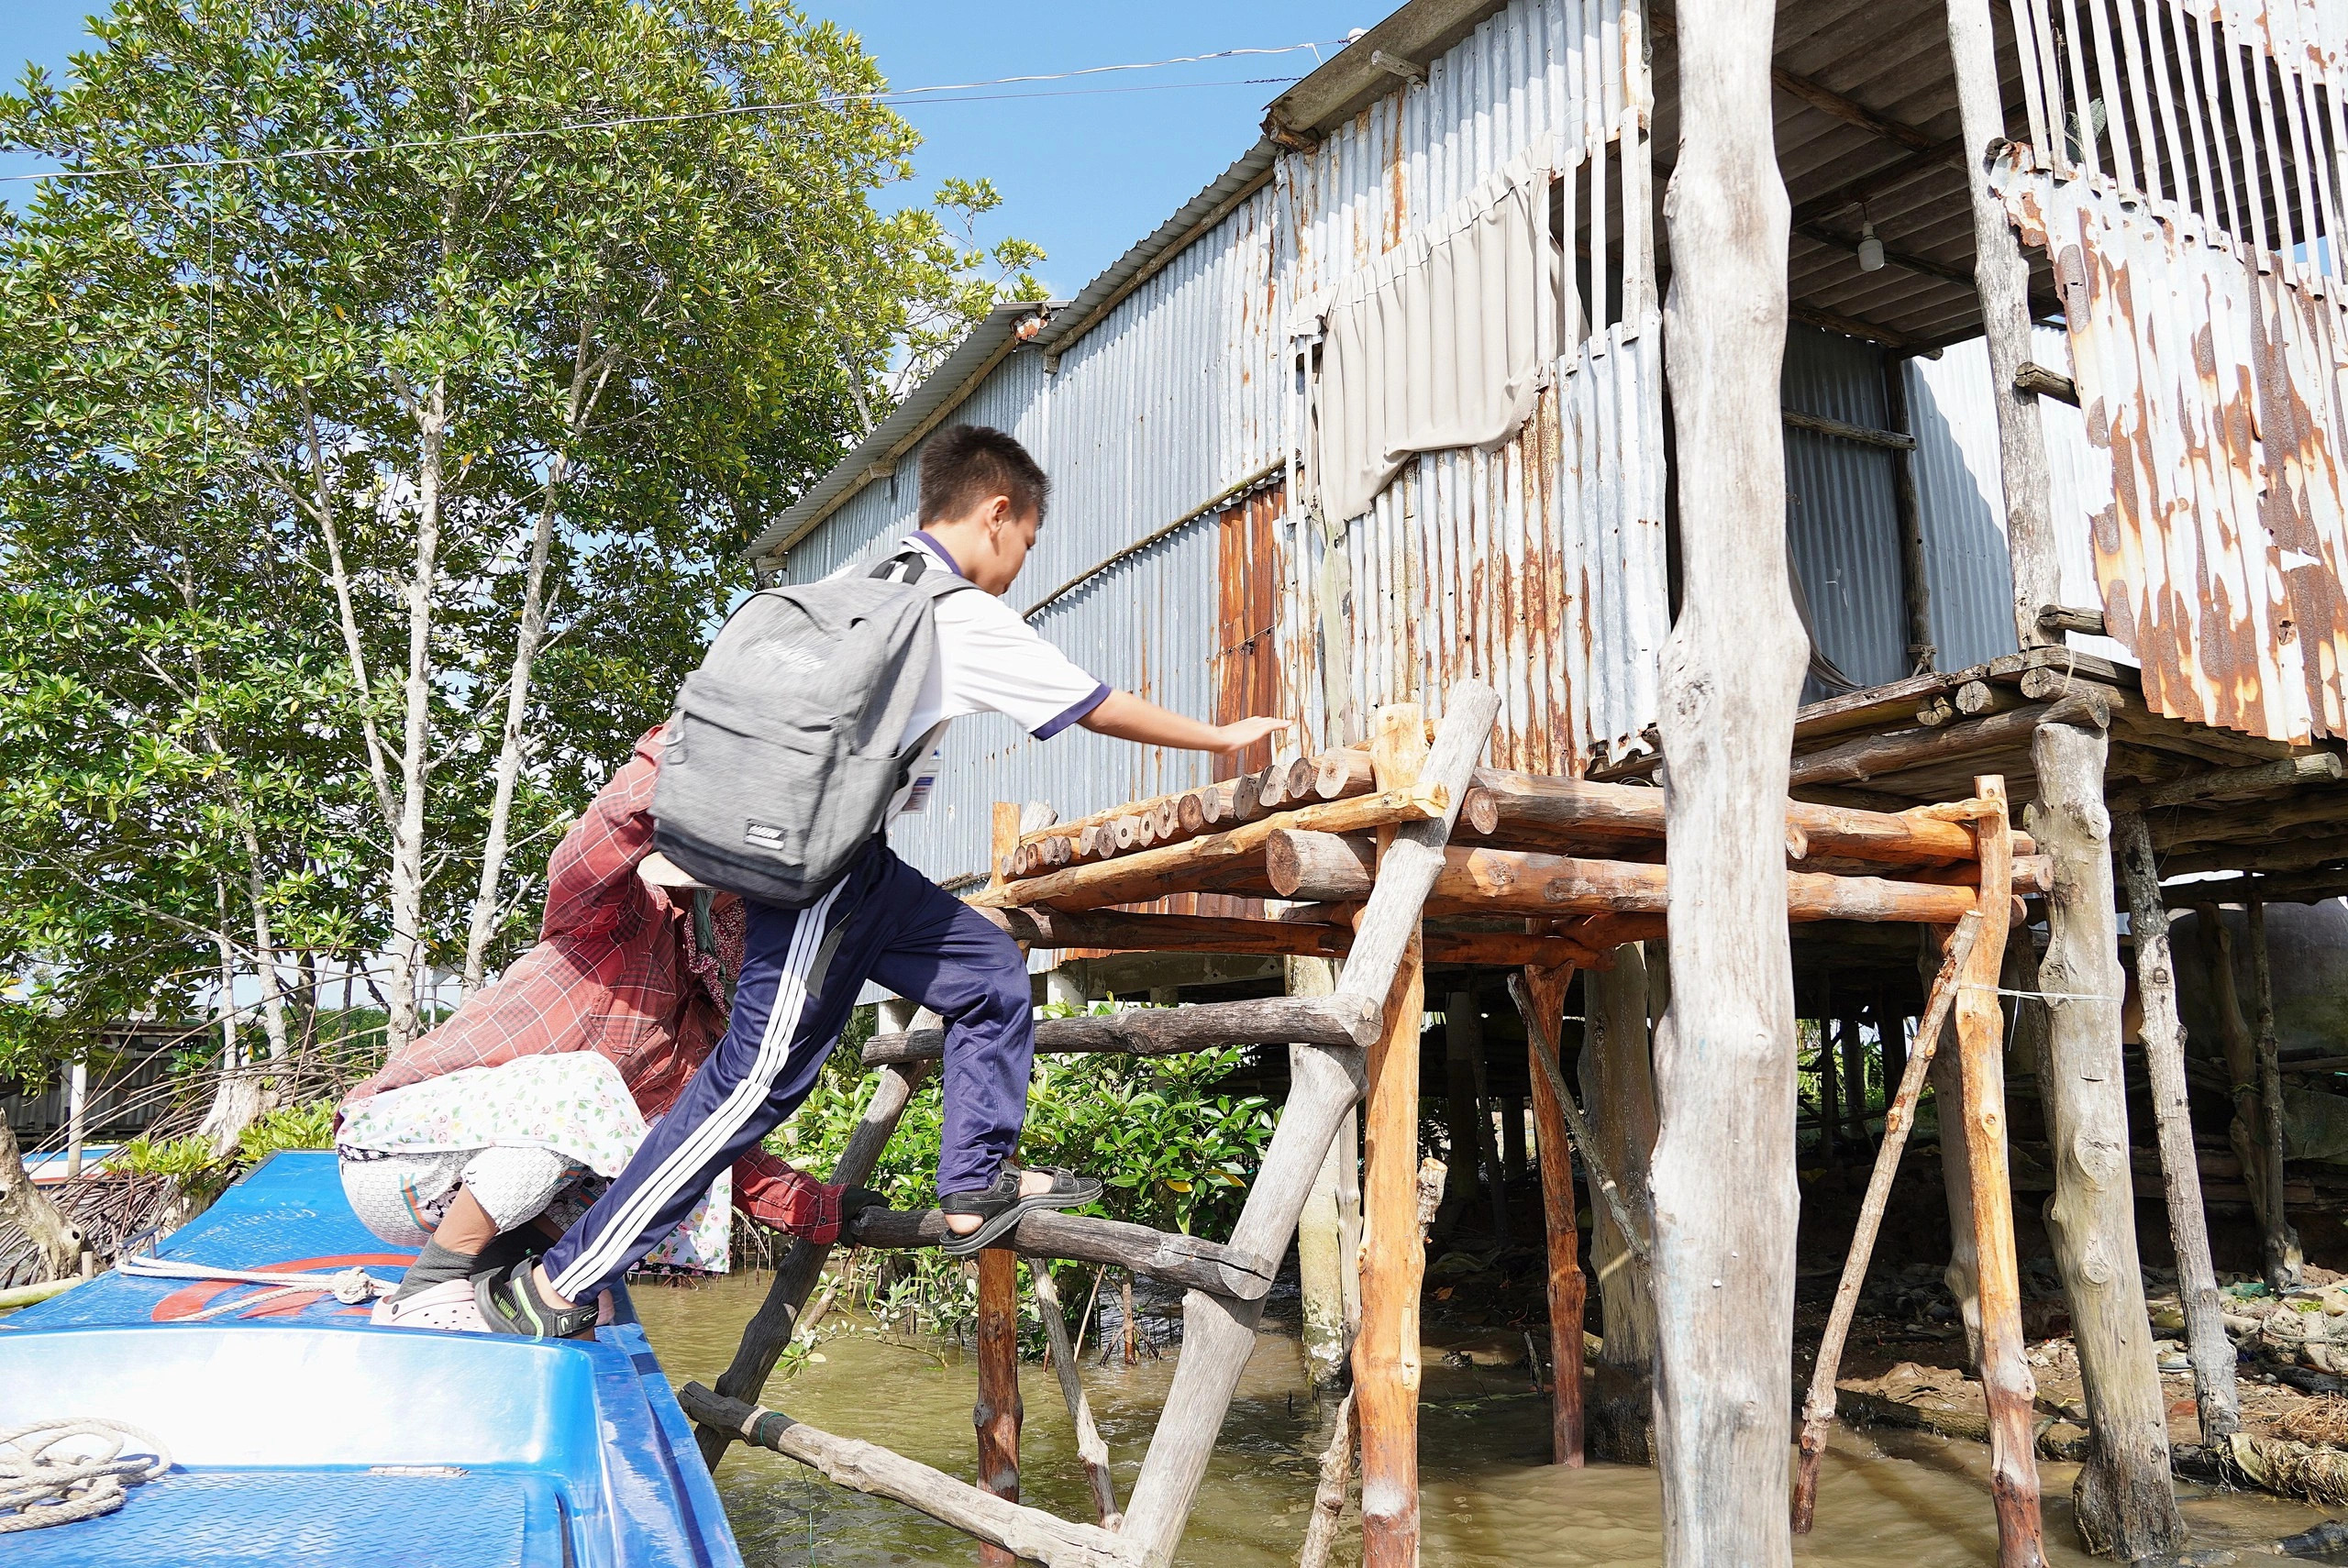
[1187,1260]
[1160,1031]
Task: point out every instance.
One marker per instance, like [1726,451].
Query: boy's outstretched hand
[1128,717]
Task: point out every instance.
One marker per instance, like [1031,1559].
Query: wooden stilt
[1329,1493]
[1323,1261]
[1830,1097]
[769,1332]
[1218,1332]
[2005,1373]
[1618,1085]
[1463,1042]
[1855,1084]
[2247,1132]
[1818,1407]
[2125,1504]
[2206,1344]
[1545,990]
[1089,1449]
[2281,1241]
[1514,1164]
[997,1413]
[1394,1264]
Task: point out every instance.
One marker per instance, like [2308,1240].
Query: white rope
[2037,995]
[38,1489]
[351,1286]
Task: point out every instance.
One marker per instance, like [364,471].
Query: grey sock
[435,1264]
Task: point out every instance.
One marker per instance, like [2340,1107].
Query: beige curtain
[1442,342]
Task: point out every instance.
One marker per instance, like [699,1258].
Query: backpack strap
[914,566]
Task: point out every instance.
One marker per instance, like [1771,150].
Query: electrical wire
[885,96]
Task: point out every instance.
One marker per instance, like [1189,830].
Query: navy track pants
[801,970]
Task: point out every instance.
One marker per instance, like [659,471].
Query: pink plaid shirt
[617,971]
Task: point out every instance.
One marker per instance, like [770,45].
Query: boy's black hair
[962,466]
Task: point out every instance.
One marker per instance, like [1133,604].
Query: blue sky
[1083,174]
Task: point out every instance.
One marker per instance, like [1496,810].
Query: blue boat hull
[302,1434]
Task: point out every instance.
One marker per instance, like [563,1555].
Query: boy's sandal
[1003,1206]
[510,1303]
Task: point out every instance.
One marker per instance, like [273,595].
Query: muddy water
[1489,1499]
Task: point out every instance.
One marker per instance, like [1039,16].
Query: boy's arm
[1128,717]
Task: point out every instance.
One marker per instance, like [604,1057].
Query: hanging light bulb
[1871,251]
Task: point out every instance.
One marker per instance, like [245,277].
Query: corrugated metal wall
[1841,530]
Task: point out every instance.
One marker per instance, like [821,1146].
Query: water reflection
[1489,1500]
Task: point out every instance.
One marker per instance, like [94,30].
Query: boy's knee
[1005,992]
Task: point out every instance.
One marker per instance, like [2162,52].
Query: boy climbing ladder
[784,823]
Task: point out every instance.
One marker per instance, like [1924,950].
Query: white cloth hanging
[1443,342]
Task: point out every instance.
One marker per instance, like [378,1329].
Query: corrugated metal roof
[875,457]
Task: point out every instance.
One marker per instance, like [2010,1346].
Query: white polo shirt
[989,661]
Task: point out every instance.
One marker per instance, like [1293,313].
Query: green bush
[201,1174]
[1175,1154]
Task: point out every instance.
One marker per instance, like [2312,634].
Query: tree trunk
[2206,1343]
[1618,1085]
[1322,1260]
[1725,1191]
[1854,1085]
[1829,1099]
[28,1208]
[237,1100]
[2281,1243]
[2125,1503]
[406,948]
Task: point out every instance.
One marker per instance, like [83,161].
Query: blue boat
[303,1434]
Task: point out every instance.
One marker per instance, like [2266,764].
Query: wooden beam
[1891,176]
[2126,1502]
[1194,865]
[1981,1124]
[1157,1032]
[1868,331]
[1187,1261]
[1027,1534]
[2284,1259]
[1856,761]
[1089,1449]
[2059,618]
[1859,434]
[1723,1181]
[2233,783]
[2037,380]
[1915,584]
[768,1333]
[1818,96]
[2209,1347]
[1922,266]
[1899,1115]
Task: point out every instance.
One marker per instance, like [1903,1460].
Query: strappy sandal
[510,1303]
[1002,1206]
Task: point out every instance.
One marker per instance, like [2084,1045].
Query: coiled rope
[38,1489]
[351,1286]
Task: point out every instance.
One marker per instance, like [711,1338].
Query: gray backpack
[783,752]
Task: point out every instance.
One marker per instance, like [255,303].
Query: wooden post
[997,1413]
[1463,1042]
[2006,1381]
[1724,1192]
[1829,1099]
[1894,1050]
[1393,1264]
[1488,1147]
[1567,1290]
[1855,1084]
[1089,1449]
[1219,1332]
[1915,584]
[1899,1113]
[1322,1260]
[2247,1130]
[769,1332]
[1514,1162]
[2125,1501]
[2206,1344]
[1618,1085]
[2281,1241]
[2002,279]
